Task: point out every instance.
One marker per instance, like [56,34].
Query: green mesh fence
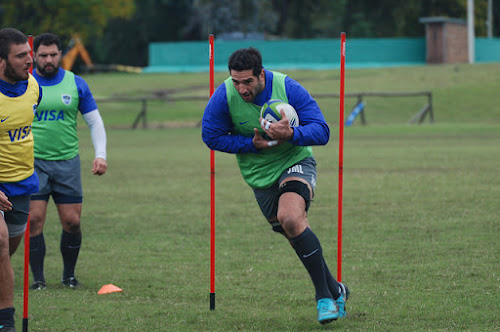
[487,49]
[304,54]
[289,54]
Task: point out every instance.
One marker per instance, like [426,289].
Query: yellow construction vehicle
[76,49]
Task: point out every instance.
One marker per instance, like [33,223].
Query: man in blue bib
[57,159]
[281,171]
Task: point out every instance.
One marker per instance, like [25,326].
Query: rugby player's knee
[71,225]
[297,187]
[290,223]
[36,224]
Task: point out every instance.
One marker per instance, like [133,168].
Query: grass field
[421,249]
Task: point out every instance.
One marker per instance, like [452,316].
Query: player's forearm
[97,132]
[229,143]
[311,134]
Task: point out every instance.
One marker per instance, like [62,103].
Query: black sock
[309,250]
[37,256]
[70,247]
[333,284]
[7,317]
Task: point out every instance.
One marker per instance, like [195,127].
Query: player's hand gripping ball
[270,111]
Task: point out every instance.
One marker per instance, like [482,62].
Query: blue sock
[309,250]
[70,247]
[37,256]
[7,317]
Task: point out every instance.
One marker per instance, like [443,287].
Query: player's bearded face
[48,60]
[14,74]
[18,63]
[248,85]
[49,69]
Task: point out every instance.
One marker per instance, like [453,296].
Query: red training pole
[212,187]
[341,154]
[30,41]
[27,239]
[26,274]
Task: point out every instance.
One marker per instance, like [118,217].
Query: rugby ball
[270,111]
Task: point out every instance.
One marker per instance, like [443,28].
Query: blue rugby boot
[344,295]
[328,310]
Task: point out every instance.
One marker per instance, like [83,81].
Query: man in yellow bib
[20,94]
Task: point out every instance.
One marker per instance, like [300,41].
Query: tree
[87,18]
[125,41]
[394,18]
[308,19]
[226,16]
[119,31]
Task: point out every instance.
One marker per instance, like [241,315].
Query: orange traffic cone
[106,289]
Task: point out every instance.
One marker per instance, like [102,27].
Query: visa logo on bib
[49,115]
[19,134]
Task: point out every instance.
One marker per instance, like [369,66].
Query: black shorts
[61,179]
[17,218]
[268,198]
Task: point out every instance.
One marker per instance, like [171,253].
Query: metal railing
[419,116]
[142,115]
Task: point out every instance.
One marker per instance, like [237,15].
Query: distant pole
[341,155]
[470,30]
[212,186]
[489,23]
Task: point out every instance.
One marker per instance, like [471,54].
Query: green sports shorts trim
[59,178]
[268,198]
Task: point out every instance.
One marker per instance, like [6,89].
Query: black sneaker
[7,328]
[70,282]
[38,285]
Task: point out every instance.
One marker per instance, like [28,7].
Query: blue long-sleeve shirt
[217,123]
